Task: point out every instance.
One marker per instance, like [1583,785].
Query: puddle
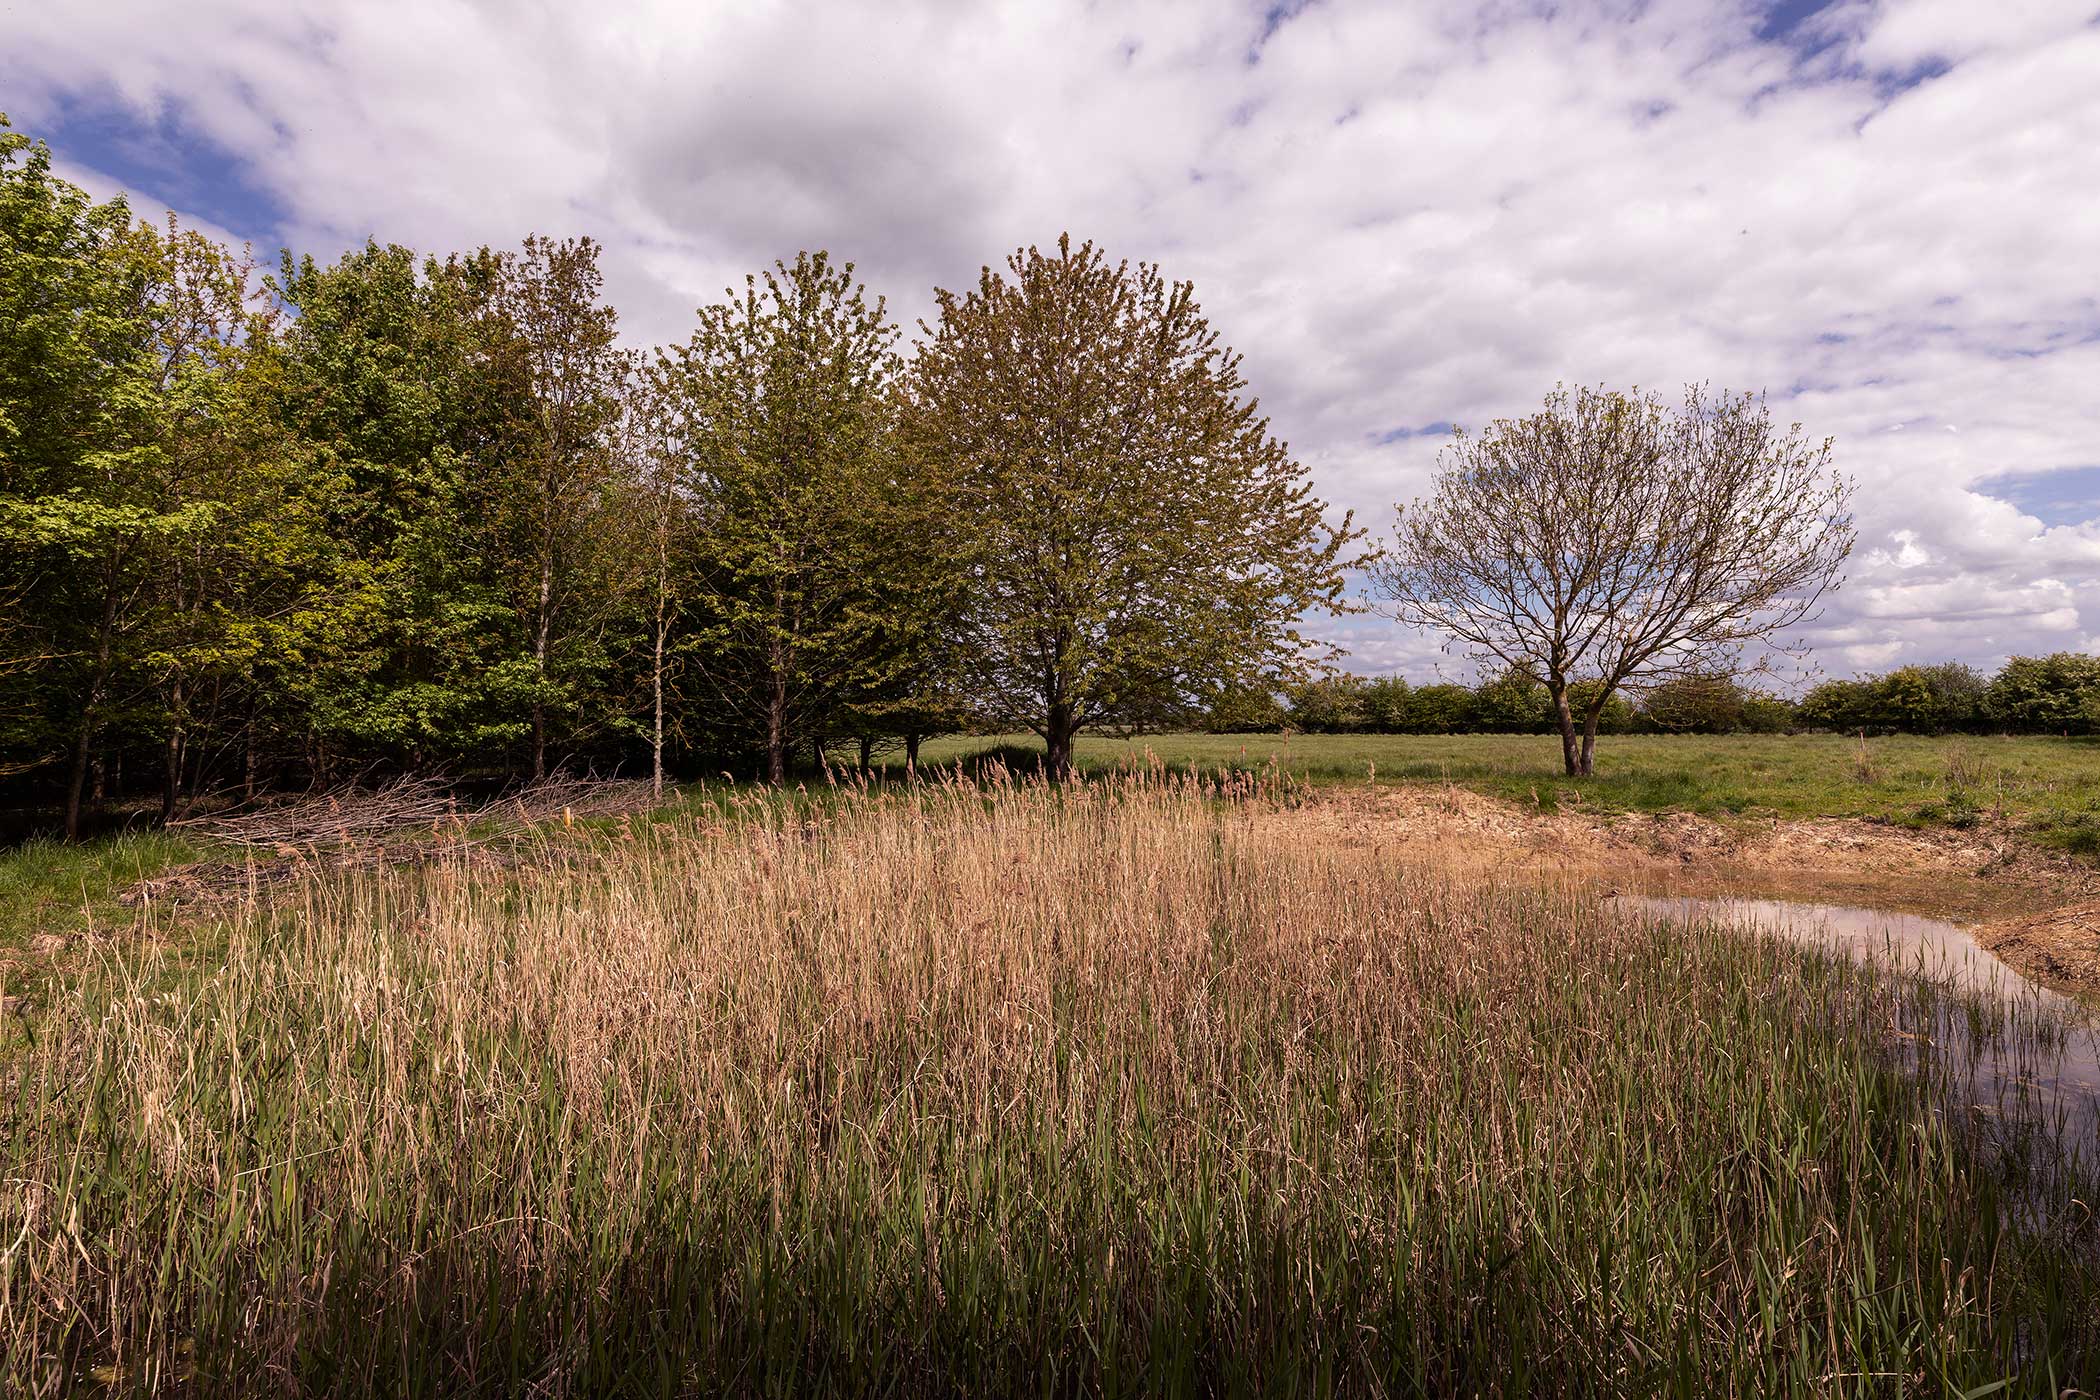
[2063,1080]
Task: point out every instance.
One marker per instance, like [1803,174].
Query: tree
[390,647]
[660,526]
[1928,699]
[552,375]
[1610,539]
[126,483]
[785,408]
[2057,694]
[1141,543]
[1512,702]
[1248,709]
[1441,708]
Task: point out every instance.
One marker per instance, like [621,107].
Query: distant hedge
[2057,694]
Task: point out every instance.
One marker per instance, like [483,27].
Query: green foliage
[1327,705]
[820,578]
[1511,703]
[1138,541]
[1248,709]
[1696,705]
[2057,694]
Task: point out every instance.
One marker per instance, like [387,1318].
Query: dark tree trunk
[911,753]
[77,779]
[171,756]
[84,736]
[1057,743]
[867,753]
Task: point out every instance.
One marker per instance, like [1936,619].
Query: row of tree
[2057,694]
[413,513]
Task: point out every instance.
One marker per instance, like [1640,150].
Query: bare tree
[1609,542]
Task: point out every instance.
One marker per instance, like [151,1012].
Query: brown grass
[951,1091]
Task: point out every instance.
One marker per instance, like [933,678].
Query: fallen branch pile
[410,809]
[401,822]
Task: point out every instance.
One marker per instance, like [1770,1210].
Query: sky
[1884,214]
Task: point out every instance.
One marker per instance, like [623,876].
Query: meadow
[959,1089]
[2048,788]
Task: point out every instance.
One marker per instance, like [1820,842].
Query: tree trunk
[539,664]
[1572,758]
[1589,734]
[171,756]
[77,779]
[656,736]
[84,735]
[1057,743]
[911,753]
[867,753]
[776,731]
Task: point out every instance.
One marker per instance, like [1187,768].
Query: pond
[2056,1072]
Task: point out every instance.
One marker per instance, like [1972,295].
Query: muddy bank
[2037,910]
[2059,948]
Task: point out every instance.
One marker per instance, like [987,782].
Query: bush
[1696,705]
[1329,705]
[1251,709]
[1511,703]
[2057,694]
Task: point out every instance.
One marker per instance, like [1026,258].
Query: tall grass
[952,1092]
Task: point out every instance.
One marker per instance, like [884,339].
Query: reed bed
[949,1090]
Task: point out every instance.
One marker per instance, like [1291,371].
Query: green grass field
[2048,788]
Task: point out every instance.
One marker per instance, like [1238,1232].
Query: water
[2058,1077]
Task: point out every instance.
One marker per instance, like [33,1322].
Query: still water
[2061,1079]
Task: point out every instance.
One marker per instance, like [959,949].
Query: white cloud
[1404,215]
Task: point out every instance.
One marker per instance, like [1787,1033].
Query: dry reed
[959,1090]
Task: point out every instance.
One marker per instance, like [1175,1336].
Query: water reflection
[2055,1070]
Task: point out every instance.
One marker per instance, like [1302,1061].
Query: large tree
[1612,541]
[128,472]
[783,409]
[388,649]
[1139,542]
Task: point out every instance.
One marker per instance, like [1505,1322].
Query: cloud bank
[1885,214]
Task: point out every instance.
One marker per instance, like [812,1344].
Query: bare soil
[2037,910]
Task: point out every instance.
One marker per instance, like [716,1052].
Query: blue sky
[1882,212]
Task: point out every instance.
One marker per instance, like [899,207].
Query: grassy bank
[2048,787]
[954,1092]
[49,889]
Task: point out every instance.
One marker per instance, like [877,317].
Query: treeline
[300,525]
[2057,694]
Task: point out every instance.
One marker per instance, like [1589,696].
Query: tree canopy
[1139,542]
[1614,539]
